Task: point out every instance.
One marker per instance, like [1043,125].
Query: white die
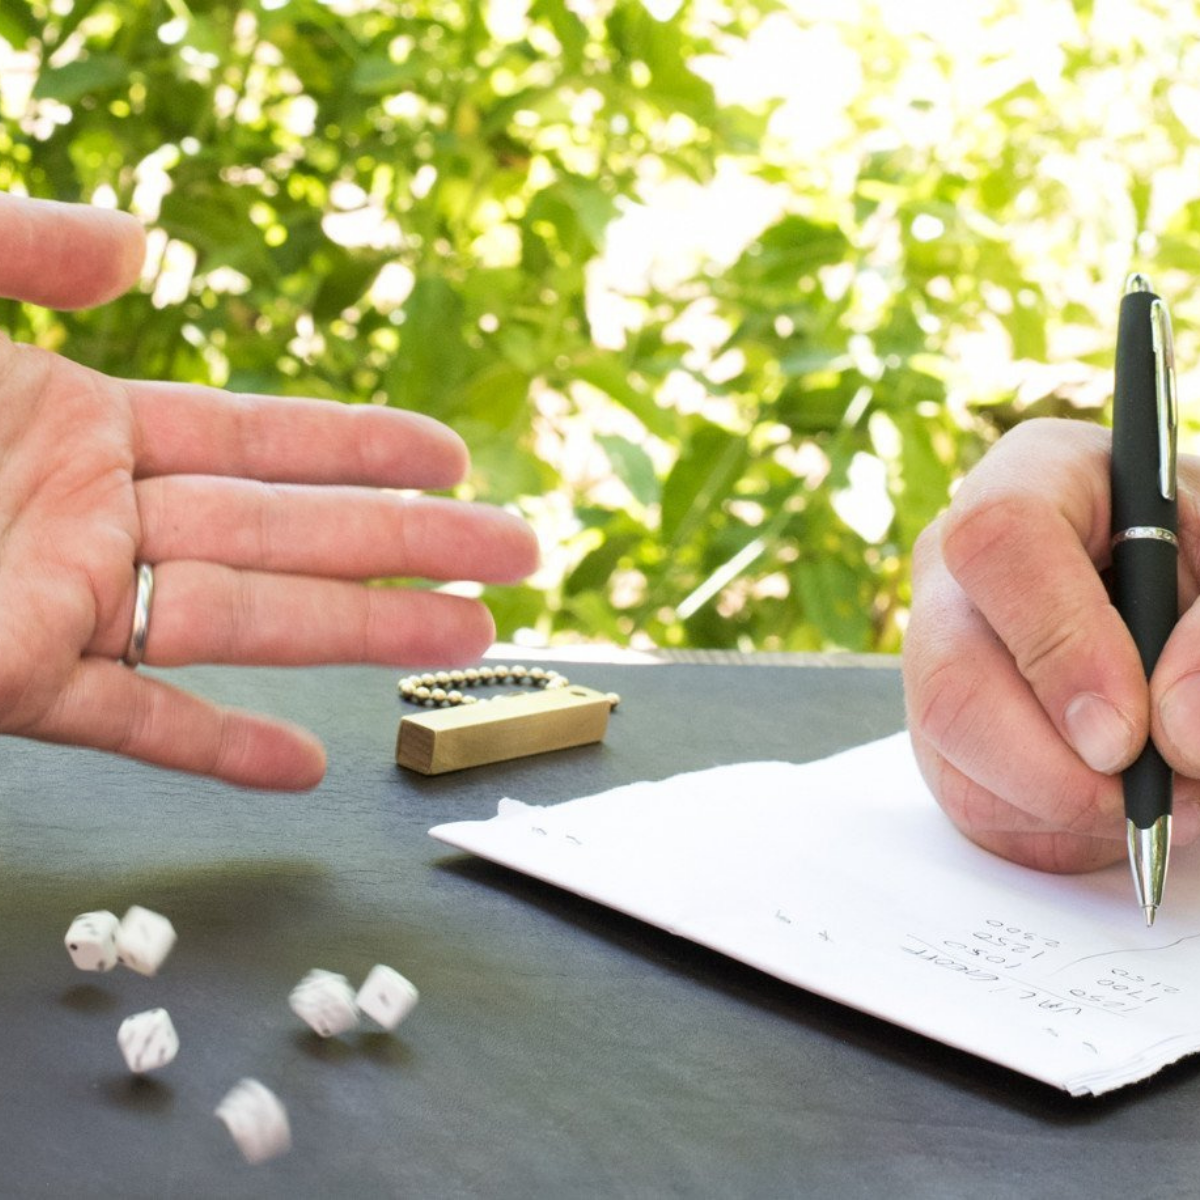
[144,939]
[148,1040]
[325,1002]
[256,1120]
[386,996]
[91,941]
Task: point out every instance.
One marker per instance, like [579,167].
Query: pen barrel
[1144,523]
[1144,593]
[1147,783]
[1137,500]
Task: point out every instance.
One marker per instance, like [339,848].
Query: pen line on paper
[1132,950]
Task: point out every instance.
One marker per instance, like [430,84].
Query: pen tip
[1137,282]
[1151,911]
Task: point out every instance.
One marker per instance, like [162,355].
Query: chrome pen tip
[1137,282]
[1148,852]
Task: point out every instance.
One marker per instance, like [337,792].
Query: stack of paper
[845,878]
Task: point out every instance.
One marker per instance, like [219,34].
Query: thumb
[66,255]
[1175,684]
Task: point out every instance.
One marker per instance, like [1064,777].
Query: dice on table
[91,941]
[386,996]
[144,939]
[324,1001]
[256,1120]
[148,1040]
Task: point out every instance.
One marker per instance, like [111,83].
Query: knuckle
[1045,647]
[373,628]
[154,513]
[228,749]
[241,626]
[942,699]
[980,522]
[136,727]
[245,432]
[269,501]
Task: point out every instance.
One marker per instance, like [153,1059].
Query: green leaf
[313,48]
[18,24]
[794,247]
[607,374]
[711,463]
[568,28]
[515,608]
[591,611]
[830,591]
[432,359]
[496,395]
[378,75]
[634,468]
[639,37]
[502,469]
[216,221]
[83,77]
[350,275]
[924,486]
[595,569]
[593,207]
[810,409]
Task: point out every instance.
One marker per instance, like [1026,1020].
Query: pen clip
[1165,396]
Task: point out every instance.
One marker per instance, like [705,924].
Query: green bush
[724,296]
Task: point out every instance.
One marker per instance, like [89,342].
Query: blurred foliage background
[724,295]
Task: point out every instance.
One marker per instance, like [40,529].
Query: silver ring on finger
[136,650]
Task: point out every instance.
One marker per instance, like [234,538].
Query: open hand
[261,516]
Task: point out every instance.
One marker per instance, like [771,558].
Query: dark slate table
[560,1050]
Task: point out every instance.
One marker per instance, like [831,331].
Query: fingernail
[1180,711]
[1102,737]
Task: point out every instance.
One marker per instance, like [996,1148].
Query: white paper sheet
[843,877]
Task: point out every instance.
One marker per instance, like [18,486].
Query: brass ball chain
[444,689]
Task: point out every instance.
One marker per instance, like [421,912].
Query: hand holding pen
[1026,692]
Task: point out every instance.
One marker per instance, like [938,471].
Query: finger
[351,533]
[66,255]
[1004,830]
[1175,696]
[207,613]
[1023,538]
[193,430]
[109,707]
[968,701]
[1175,684]
[997,826]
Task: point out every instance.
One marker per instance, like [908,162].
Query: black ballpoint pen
[1145,550]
